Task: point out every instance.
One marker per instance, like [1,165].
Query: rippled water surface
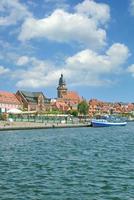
[68,164]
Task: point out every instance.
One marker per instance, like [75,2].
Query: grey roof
[36,94]
[31,96]
[27,94]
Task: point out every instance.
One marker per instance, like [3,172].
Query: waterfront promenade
[7,126]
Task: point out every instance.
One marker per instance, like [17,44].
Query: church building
[71,98]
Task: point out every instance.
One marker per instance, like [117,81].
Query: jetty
[30,125]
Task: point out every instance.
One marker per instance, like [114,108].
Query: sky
[89,41]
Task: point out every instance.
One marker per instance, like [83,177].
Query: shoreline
[33,125]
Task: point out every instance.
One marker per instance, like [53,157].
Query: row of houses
[37,101]
[22,100]
[65,100]
[97,107]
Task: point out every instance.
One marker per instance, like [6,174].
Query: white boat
[106,123]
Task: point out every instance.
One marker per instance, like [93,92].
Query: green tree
[83,107]
[73,112]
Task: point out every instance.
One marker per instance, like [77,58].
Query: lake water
[68,164]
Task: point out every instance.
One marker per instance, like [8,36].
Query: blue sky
[89,41]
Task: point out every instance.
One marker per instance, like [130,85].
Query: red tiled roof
[61,105]
[71,96]
[7,97]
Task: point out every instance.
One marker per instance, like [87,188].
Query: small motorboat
[106,123]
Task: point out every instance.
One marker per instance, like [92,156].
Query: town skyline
[65,89]
[89,41]
[65,102]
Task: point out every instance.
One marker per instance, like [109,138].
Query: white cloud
[12,11]
[23,60]
[132,7]
[84,68]
[118,54]
[87,67]
[37,79]
[35,75]
[3,70]
[99,12]
[62,26]
[131,69]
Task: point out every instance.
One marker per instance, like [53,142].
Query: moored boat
[105,123]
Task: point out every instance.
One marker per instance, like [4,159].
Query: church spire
[61,89]
[61,81]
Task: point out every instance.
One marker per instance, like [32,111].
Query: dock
[31,126]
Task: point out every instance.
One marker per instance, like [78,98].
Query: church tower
[61,89]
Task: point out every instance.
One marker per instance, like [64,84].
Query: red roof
[71,96]
[7,97]
[61,105]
